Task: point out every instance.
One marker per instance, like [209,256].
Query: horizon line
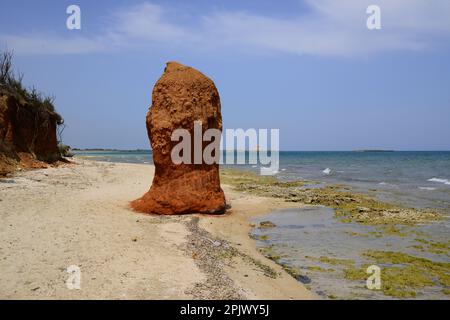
[355,150]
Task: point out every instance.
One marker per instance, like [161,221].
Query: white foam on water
[444,181]
[427,188]
[327,171]
[389,185]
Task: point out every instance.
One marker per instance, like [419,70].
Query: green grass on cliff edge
[11,85]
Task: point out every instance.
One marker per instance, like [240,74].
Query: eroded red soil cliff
[28,136]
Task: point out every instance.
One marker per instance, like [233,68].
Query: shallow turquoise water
[302,236]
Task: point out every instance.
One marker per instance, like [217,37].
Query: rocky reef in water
[28,124]
[348,206]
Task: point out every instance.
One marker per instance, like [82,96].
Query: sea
[419,179]
[416,178]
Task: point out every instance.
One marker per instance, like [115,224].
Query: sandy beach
[79,214]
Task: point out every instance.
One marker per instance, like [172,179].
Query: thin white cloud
[337,28]
[329,28]
[148,22]
[40,43]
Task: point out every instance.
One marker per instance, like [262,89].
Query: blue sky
[310,68]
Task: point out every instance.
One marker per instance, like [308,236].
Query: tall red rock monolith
[181,96]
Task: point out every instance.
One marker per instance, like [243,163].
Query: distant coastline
[111,150]
[373,150]
[281,151]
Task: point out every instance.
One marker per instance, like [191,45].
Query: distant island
[374,150]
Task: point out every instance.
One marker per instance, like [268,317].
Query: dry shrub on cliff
[39,105]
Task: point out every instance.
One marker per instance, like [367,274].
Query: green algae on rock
[262,238]
[268,252]
[266,225]
[433,247]
[319,269]
[403,274]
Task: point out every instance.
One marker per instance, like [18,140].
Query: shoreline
[78,214]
